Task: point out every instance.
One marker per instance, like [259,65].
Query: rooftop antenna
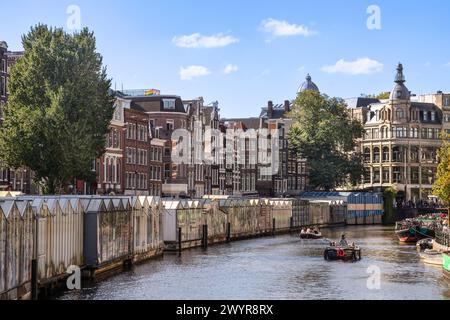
[122,87]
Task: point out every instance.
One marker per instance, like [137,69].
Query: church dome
[400,91]
[308,85]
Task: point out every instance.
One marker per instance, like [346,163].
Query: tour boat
[349,253]
[432,257]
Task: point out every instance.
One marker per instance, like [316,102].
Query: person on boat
[316,230]
[343,242]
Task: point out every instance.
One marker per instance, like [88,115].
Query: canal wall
[43,237]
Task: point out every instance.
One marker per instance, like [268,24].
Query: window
[3,65]
[386,153]
[367,155]
[376,134]
[376,155]
[425,116]
[169,125]
[386,175]
[400,114]
[2,86]
[447,102]
[397,175]
[376,175]
[169,104]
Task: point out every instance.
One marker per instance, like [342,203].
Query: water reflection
[279,268]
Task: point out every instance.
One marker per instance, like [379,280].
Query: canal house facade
[403,135]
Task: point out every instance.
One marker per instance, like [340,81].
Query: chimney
[270,109]
[287,106]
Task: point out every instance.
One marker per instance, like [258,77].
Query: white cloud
[196,40]
[447,65]
[279,28]
[427,64]
[359,66]
[302,68]
[230,69]
[191,72]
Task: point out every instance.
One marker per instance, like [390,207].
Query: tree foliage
[59,108]
[441,187]
[324,134]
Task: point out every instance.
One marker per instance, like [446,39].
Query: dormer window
[433,116]
[169,104]
[399,94]
[447,102]
[425,116]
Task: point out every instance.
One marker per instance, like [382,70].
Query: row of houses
[219,156]
[403,135]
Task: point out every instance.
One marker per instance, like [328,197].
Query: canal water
[283,267]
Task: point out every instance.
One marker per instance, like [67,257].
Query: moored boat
[425,244]
[432,257]
[408,233]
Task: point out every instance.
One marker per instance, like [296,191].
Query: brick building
[110,167]
[166,113]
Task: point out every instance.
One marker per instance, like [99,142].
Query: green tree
[59,108]
[324,134]
[380,96]
[441,187]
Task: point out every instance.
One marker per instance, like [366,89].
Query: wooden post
[34,281]
[292,224]
[229,232]
[180,247]
[273,226]
[205,236]
[34,262]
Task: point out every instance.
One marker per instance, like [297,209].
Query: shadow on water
[284,267]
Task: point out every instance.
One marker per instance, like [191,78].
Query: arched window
[386,154]
[367,155]
[376,155]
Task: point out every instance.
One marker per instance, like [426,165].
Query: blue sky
[268,46]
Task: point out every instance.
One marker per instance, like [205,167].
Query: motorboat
[344,253]
[310,234]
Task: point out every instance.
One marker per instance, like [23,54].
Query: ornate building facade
[403,135]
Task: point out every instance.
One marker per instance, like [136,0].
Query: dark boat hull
[344,254]
[412,235]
